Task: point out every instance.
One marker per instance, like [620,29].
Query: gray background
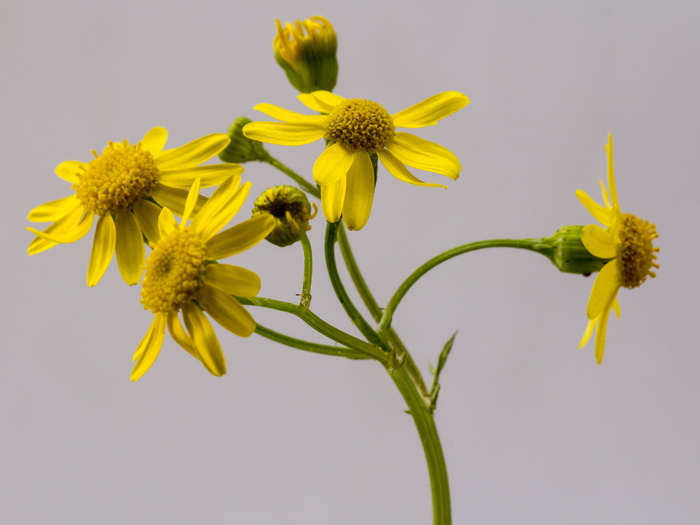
[534,430]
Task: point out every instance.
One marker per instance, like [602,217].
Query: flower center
[174,271]
[113,181]
[360,125]
[637,253]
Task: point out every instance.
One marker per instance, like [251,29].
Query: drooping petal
[102,249]
[332,199]
[174,198]
[226,311]
[204,339]
[284,134]
[129,247]
[332,164]
[587,333]
[149,348]
[222,206]
[431,110]
[233,280]
[166,222]
[69,170]
[192,153]
[616,307]
[191,201]
[240,237]
[54,210]
[177,332]
[604,290]
[398,170]
[70,231]
[147,216]
[286,115]
[600,213]
[424,155]
[600,333]
[599,242]
[359,193]
[210,175]
[154,140]
[321,101]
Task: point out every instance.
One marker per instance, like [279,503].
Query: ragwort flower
[182,276]
[118,187]
[626,242]
[355,129]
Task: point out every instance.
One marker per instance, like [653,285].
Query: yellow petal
[359,193]
[166,222]
[431,110]
[174,198]
[69,231]
[611,172]
[204,339]
[600,213]
[332,199]
[147,216]
[604,290]
[600,334]
[424,155]
[191,201]
[221,207]
[192,153]
[149,348]
[180,336]
[232,280]
[54,210]
[210,175]
[587,333]
[70,169]
[154,140]
[102,249]
[286,115]
[398,170]
[240,237]
[332,164]
[129,247]
[599,242]
[321,101]
[284,134]
[226,311]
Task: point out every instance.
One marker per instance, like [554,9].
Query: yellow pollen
[174,271]
[637,253]
[113,181]
[360,125]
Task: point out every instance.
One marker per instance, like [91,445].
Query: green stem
[305,301]
[308,345]
[536,245]
[301,181]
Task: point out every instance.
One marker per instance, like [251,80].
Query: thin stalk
[308,346]
[305,296]
[301,181]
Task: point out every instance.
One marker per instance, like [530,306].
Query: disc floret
[637,253]
[360,125]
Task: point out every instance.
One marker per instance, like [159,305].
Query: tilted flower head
[626,242]
[182,276]
[117,187]
[291,210]
[307,53]
[355,129]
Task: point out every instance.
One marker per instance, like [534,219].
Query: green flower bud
[241,148]
[306,51]
[567,252]
[291,210]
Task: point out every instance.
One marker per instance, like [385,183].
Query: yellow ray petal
[240,237]
[333,163]
[149,348]
[70,169]
[226,311]
[359,193]
[604,290]
[130,249]
[611,172]
[102,249]
[284,134]
[70,231]
[424,155]
[587,333]
[286,115]
[398,170]
[192,153]
[599,242]
[332,199]
[147,216]
[166,222]
[600,213]
[54,210]
[154,140]
[221,208]
[321,101]
[431,110]
[177,332]
[174,198]
[210,175]
[232,280]
[204,339]
[191,201]
[600,333]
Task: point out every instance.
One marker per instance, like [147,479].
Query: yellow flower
[117,186]
[182,276]
[626,242]
[355,129]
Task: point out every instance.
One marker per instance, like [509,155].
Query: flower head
[356,129]
[306,51]
[627,244]
[291,210]
[183,277]
[120,186]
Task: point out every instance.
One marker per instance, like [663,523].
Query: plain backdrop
[534,431]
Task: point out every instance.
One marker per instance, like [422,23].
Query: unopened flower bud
[291,210]
[241,148]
